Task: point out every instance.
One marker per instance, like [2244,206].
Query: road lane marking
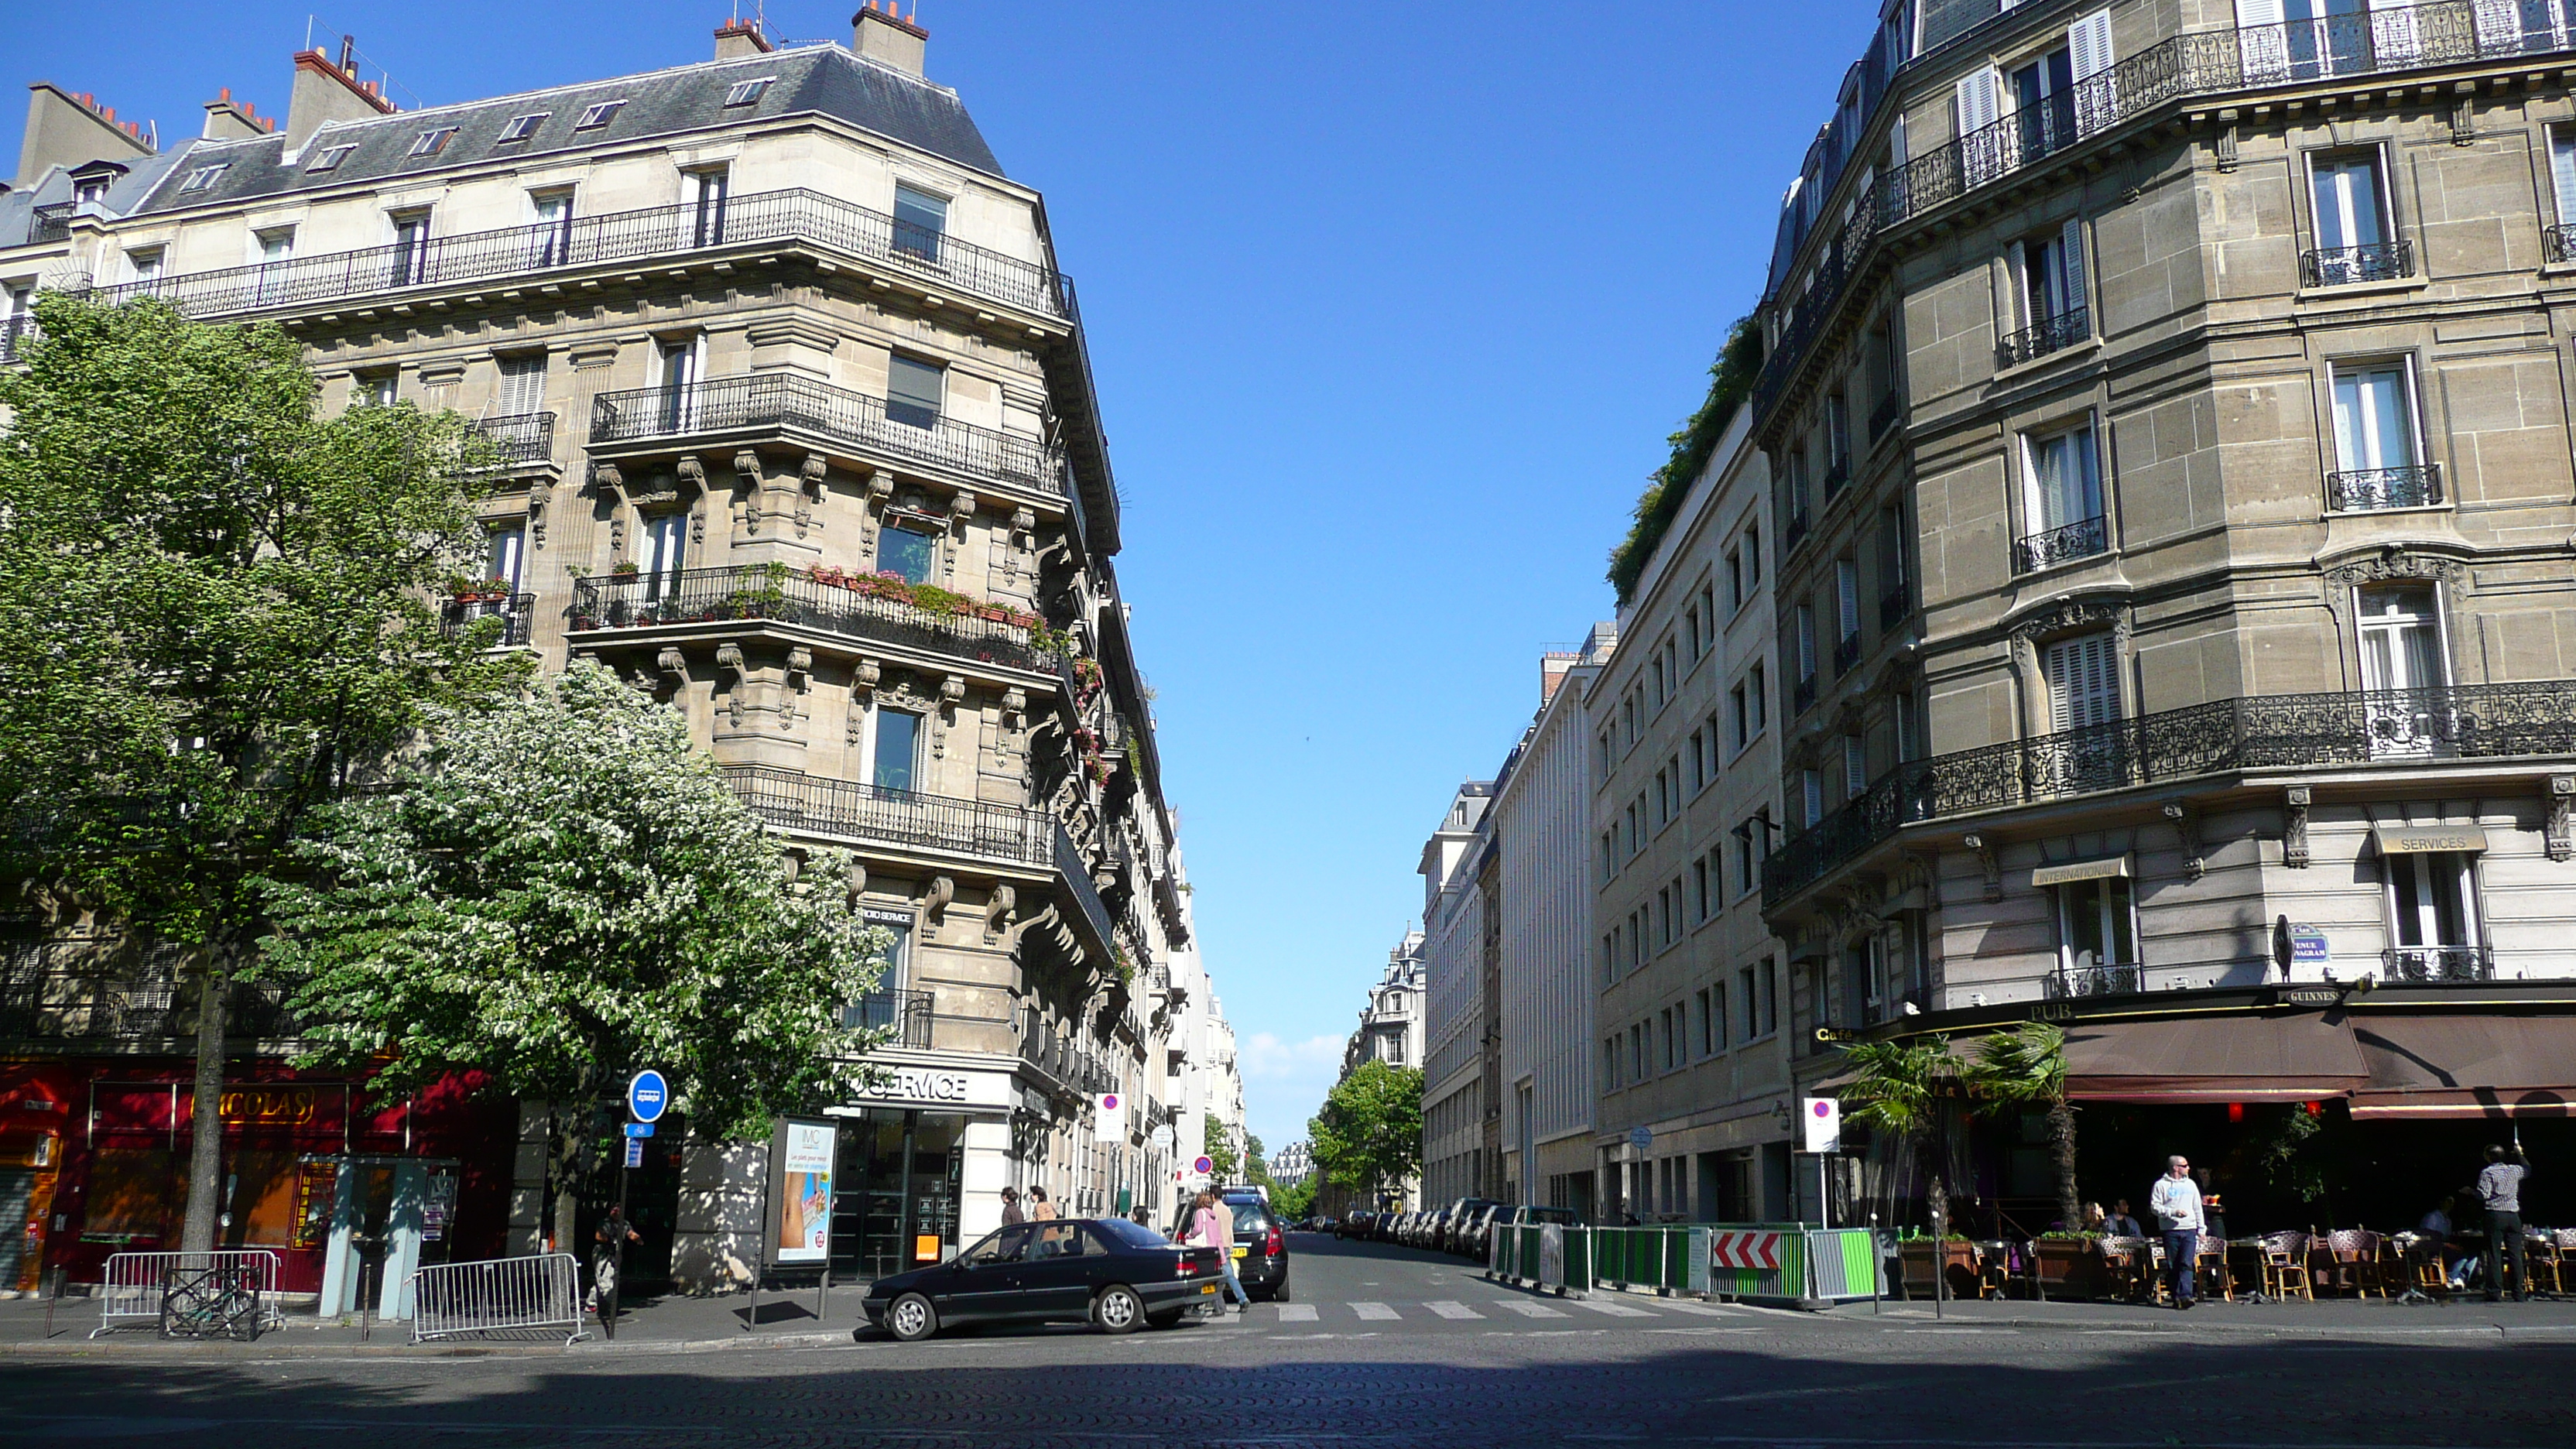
[1615,1310]
[1705,1310]
[1529,1310]
[1453,1310]
[1297,1313]
[1375,1312]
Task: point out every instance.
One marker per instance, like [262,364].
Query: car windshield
[1130,1235]
[1249,1216]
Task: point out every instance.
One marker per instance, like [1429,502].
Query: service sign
[1823,1121]
[801,1159]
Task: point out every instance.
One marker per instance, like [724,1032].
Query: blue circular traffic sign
[648,1095]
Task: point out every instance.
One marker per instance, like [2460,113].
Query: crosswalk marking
[1615,1310]
[1453,1310]
[1705,1310]
[1375,1312]
[1529,1310]
[1297,1313]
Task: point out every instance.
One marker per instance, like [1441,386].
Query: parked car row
[1465,1227]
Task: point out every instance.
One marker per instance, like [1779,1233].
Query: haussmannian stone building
[780,361]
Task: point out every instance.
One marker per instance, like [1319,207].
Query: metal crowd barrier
[526,1294]
[130,1288]
[1759,1262]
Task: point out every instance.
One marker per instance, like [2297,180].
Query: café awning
[2290,1057]
[2442,1068]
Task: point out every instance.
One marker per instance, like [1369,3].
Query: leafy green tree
[217,602]
[2025,1065]
[1903,1088]
[1219,1148]
[561,891]
[1256,1158]
[1369,1134]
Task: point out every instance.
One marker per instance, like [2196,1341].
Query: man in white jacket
[2176,1204]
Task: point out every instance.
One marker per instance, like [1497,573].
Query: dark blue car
[1105,1271]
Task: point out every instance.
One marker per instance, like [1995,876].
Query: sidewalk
[2331,1318]
[654,1325]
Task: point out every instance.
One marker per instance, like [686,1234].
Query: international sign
[648,1096]
[639,1129]
[1110,1122]
[1203,1166]
[1641,1138]
[1823,1119]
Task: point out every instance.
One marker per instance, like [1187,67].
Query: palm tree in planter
[1901,1087]
[2026,1067]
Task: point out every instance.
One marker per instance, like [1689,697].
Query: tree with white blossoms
[559,891]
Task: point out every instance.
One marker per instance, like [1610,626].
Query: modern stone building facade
[1392,1029]
[1694,1115]
[1461,1127]
[802,439]
[2167,409]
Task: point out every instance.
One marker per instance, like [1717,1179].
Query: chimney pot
[881,34]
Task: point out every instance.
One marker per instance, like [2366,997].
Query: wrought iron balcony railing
[1894,605]
[1846,653]
[15,334]
[70,1005]
[904,819]
[1802,696]
[2348,729]
[1076,875]
[2438,963]
[50,223]
[1797,531]
[2113,980]
[2370,490]
[1836,477]
[515,611]
[2044,337]
[2081,539]
[659,231]
[776,401]
[907,1012]
[778,594]
[2200,64]
[518,439]
[2344,266]
[2558,244]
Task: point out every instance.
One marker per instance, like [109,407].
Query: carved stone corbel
[934,901]
[2186,822]
[800,678]
[674,667]
[1015,707]
[746,490]
[961,510]
[2294,835]
[2560,835]
[612,485]
[694,473]
[540,497]
[729,657]
[1024,527]
[809,495]
[857,878]
[1988,863]
[997,916]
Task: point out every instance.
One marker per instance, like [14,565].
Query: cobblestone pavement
[1402,1350]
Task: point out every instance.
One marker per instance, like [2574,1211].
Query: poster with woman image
[805,1152]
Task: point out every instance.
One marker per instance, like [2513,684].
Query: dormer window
[203,178]
[598,115]
[90,189]
[745,93]
[331,157]
[431,142]
[522,127]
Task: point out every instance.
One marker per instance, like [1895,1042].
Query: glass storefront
[896,1206]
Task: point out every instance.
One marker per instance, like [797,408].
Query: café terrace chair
[2351,1256]
[2544,1251]
[2209,1268]
[2285,1266]
[2121,1258]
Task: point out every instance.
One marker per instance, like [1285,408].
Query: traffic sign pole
[648,1096]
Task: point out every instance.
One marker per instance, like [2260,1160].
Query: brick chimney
[65,130]
[738,38]
[878,33]
[325,92]
[231,120]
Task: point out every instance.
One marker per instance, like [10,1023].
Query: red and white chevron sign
[1744,1250]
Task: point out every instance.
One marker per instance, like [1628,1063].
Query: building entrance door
[897,1207]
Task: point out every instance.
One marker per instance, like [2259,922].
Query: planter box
[1958,1262]
[2072,1270]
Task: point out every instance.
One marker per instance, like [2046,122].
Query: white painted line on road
[1704,1310]
[1528,1310]
[1615,1310]
[1297,1313]
[1453,1310]
[1375,1312]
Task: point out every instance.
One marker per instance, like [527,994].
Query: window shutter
[523,386]
[2024,307]
[2071,253]
[2562,171]
[2083,682]
[2088,42]
[1978,99]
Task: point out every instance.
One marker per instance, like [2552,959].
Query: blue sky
[1392,306]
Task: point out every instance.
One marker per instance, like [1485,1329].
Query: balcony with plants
[862,607]
[2353,729]
[469,603]
[726,410]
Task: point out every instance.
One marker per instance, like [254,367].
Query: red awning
[2289,1057]
[2456,1067]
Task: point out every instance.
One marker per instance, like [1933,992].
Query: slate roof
[18,208]
[824,79]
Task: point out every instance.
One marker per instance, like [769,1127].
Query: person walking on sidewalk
[2500,1188]
[1011,1207]
[1219,1224]
[603,1256]
[2176,1205]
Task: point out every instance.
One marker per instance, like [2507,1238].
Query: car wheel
[911,1318]
[1166,1320]
[1279,1290]
[1118,1309]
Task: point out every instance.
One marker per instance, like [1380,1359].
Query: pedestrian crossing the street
[1485,1310]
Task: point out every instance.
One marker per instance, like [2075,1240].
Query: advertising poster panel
[801,1192]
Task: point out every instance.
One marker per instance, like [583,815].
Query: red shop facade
[94,1161]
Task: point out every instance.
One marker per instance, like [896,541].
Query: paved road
[1388,1347]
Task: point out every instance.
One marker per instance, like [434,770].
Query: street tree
[2023,1066]
[1368,1135]
[1224,1161]
[560,890]
[217,606]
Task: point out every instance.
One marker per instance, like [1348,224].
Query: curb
[587,1348]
